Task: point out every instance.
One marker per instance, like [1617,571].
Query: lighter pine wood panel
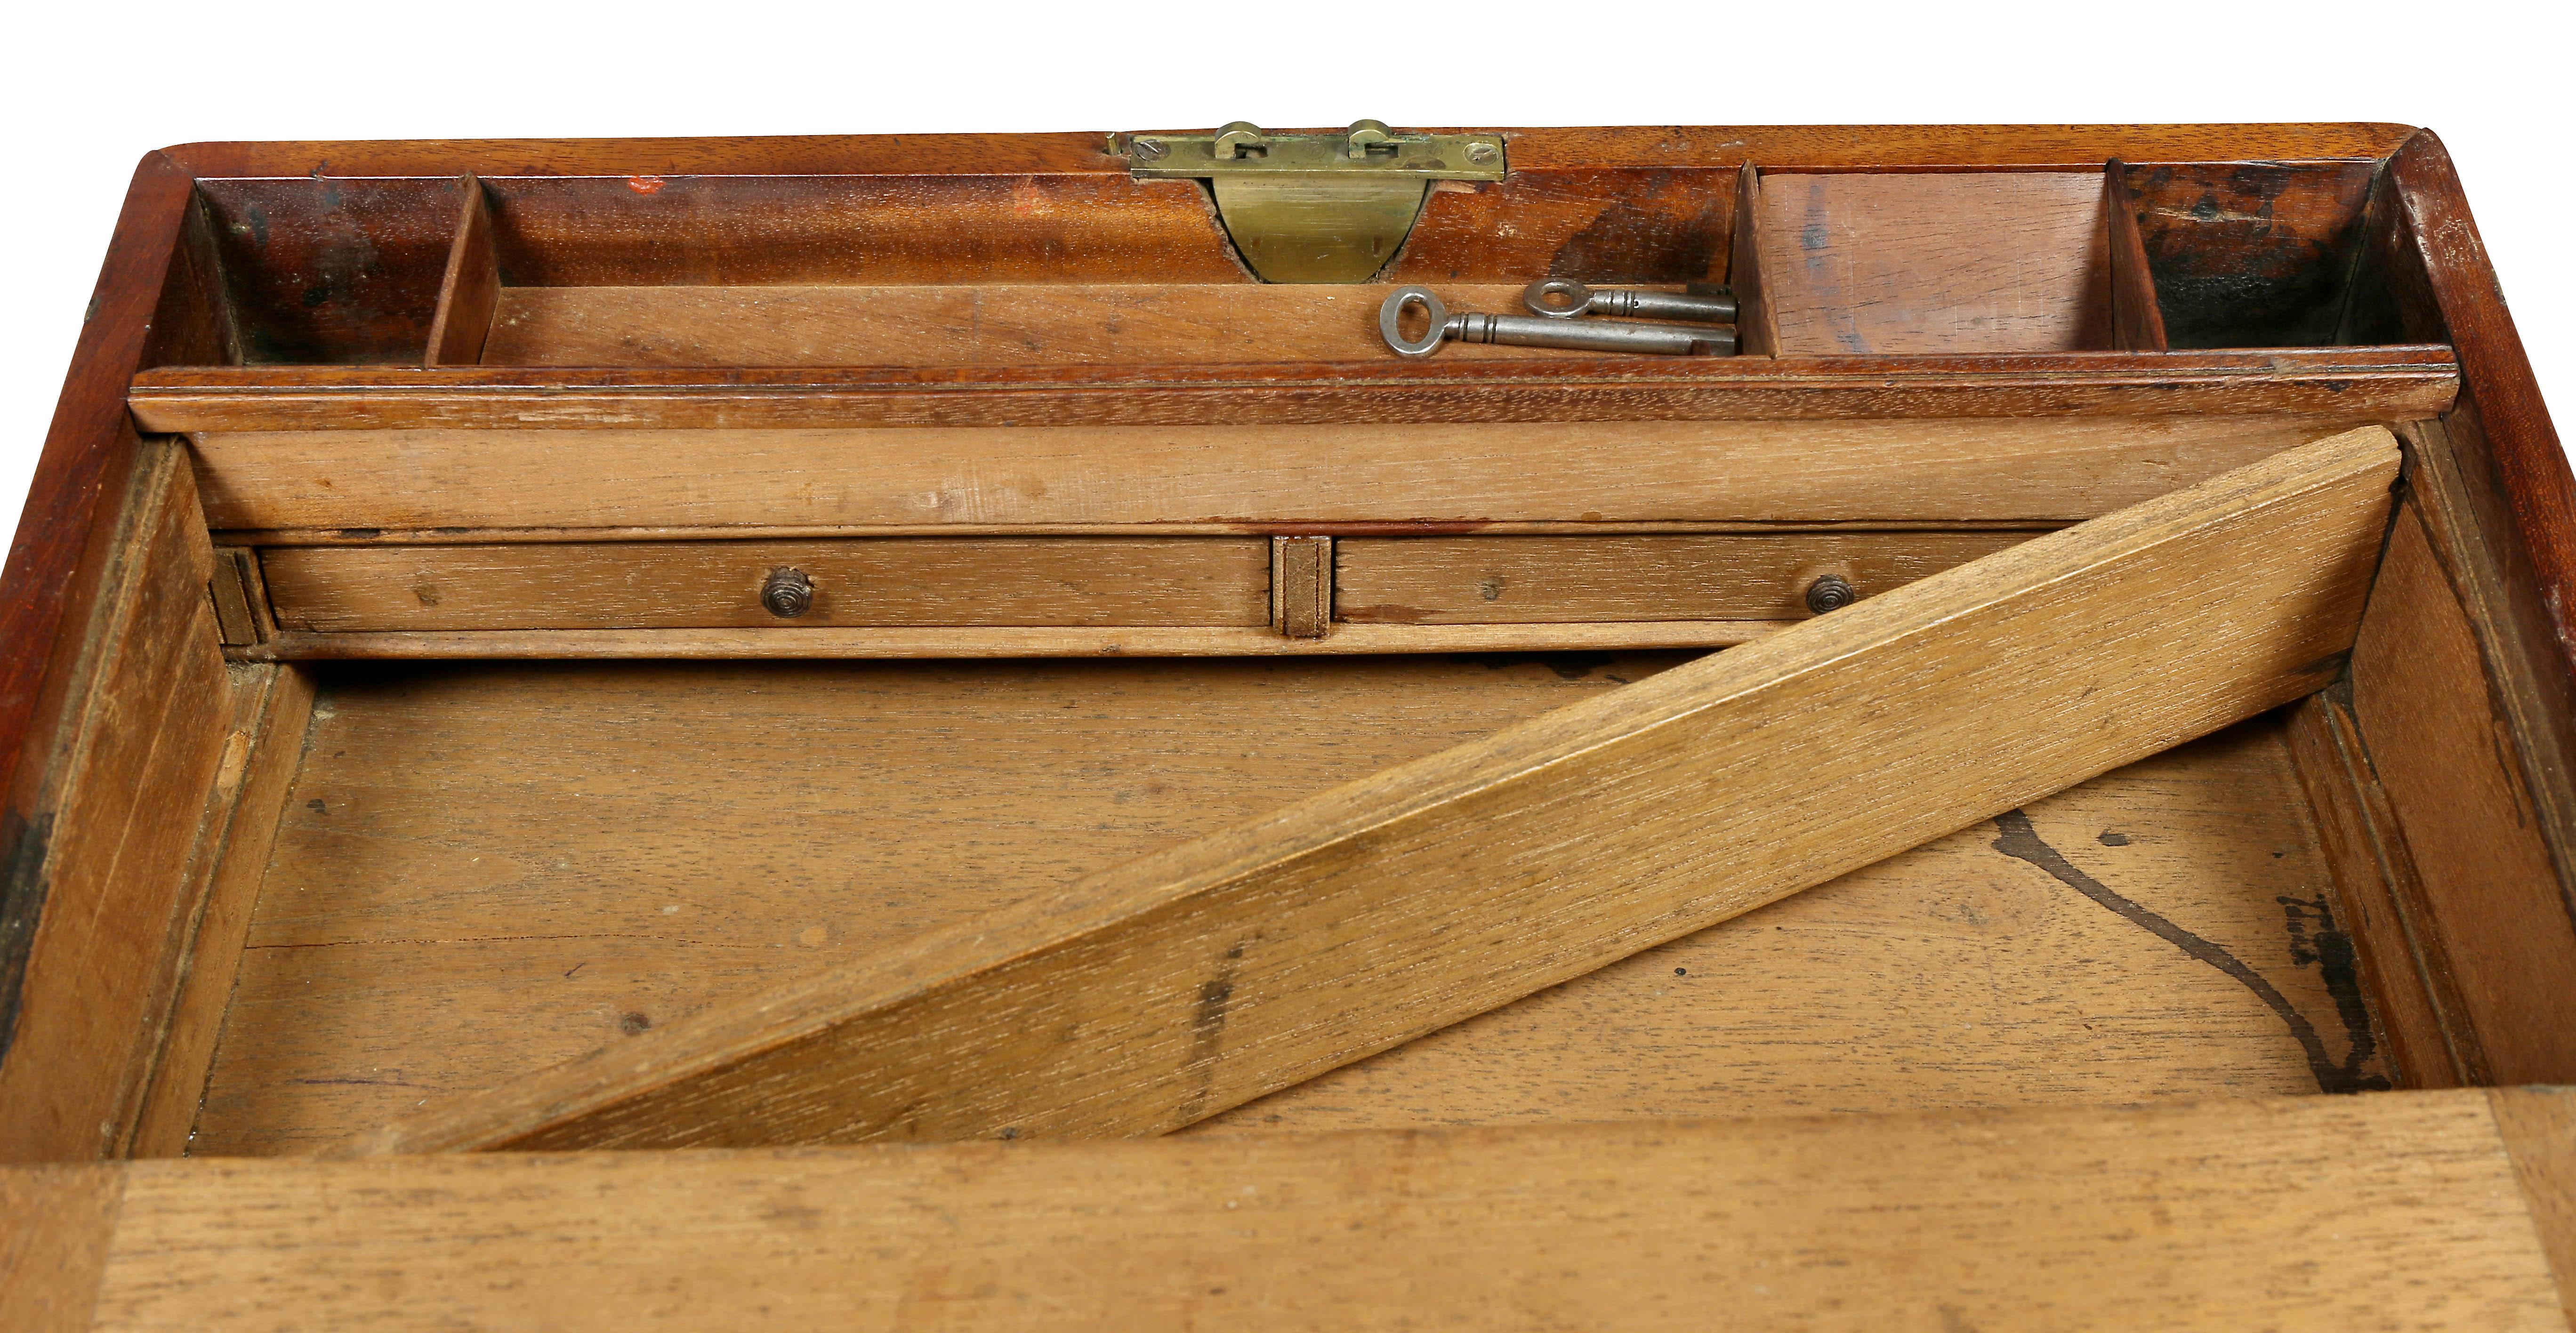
[476,862]
[1547,580]
[2042,469]
[1943,262]
[1035,324]
[2398,1210]
[916,581]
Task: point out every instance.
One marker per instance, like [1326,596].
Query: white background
[86,89]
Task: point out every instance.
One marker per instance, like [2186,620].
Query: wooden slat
[2430,719]
[2137,318]
[1510,580]
[1397,480]
[1125,641]
[470,292]
[1068,581]
[1155,994]
[261,760]
[1757,333]
[1858,263]
[107,878]
[2314,1215]
[1301,586]
[2400,383]
[1033,324]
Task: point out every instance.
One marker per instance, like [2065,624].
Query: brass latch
[1316,207]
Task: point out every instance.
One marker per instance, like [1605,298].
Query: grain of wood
[482,892]
[1936,262]
[1520,580]
[115,876]
[899,581]
[1128,641]
[2496,910]
[1155,994]
[2312,1214]
[1032,324]
[2036,470]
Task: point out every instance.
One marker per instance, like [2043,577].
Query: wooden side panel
[2538,1127]
[470,291]
[1153,995]
[2310,1215]
[1857,264]
[1757,333]
[893,581]
[2447,757]
[113,878]
[1523,580]
[1053,324]
[1408,478]
[260,761]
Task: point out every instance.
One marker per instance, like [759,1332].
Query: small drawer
[745,584]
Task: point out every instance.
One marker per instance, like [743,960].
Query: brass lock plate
[1316,207]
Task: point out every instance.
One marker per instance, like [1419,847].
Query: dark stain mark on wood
[2018,840]
[1207,1032]
[22,902]
[2109,839]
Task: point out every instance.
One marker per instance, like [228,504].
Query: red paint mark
[644,184]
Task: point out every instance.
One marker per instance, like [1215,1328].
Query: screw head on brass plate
[789,594]
[1830,593]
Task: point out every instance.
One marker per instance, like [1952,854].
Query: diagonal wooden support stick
[1170,988]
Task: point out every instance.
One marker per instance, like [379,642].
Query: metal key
[1594,335]
[1564,298]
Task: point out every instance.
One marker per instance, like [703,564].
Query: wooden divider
[2137,317]
[2315,1214]
[1155,994]
[470,289]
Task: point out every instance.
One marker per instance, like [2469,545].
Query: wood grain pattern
[1942,262]
[1406,480]
[482,892]
[470,292]
[2314,1214]
[2137,316]
[1050,324]
[2399,383]
[1178,985]
[2538,1126]
[112,884]
[274,706]
[2428,716]
[1488,580]
[902,581]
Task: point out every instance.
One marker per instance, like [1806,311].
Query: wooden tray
[758,650]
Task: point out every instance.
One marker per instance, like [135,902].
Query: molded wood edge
[1157,993]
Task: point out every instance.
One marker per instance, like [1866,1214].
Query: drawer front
[720,584]
[1560,580]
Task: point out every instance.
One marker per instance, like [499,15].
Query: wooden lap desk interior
[790,733]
